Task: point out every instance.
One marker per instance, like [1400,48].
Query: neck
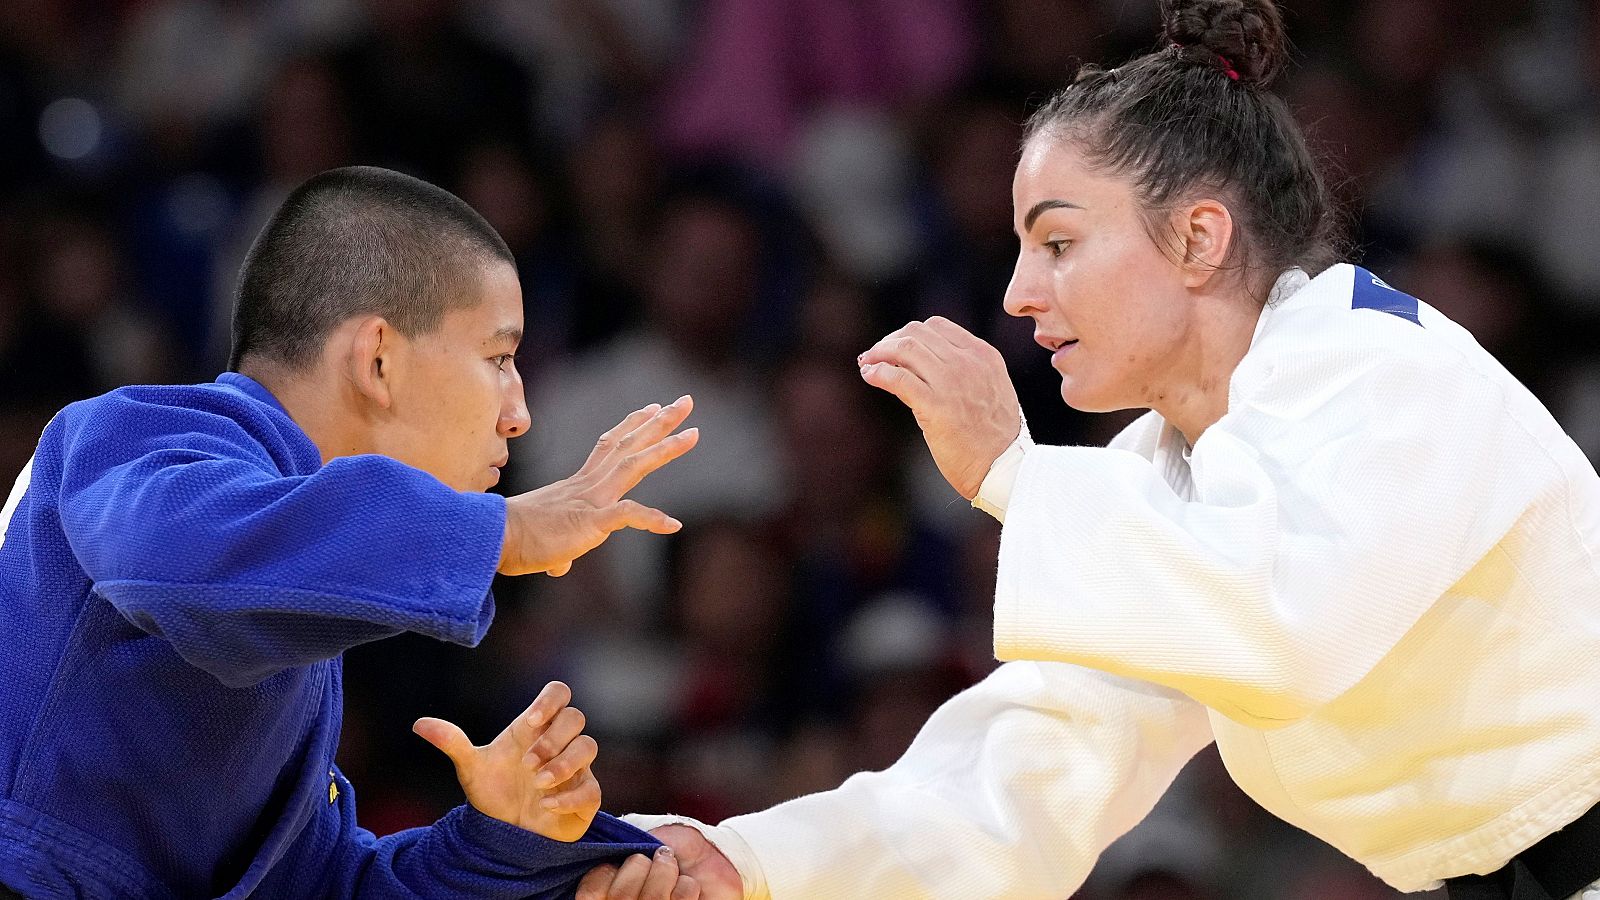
[1196,395]
[317,402]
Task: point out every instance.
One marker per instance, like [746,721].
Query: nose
[514,419]
[1028,292]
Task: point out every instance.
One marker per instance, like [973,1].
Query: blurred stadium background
[733,198]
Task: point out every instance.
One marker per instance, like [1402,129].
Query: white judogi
[1378,572]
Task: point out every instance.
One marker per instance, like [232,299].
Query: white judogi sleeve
[1011,790]
[1362,468]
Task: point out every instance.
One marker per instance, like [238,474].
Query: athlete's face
[456,395]
[1108,305]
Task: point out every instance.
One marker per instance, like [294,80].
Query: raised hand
[958,389]
[548,528]
[535,774]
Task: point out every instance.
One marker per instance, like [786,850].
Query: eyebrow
[514,335]
[1042,207]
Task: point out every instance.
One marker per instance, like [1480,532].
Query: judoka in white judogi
[1373,582]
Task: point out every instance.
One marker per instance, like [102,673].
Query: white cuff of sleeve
[725,839]
[994,495]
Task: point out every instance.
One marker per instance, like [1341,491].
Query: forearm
[1012,789]
[463,855]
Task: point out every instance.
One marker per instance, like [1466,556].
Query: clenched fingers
[597,883]
[580,795]
[631,877]
[567,762]
[663,876]
[564,730]
[901,382]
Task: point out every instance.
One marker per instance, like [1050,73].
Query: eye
[1057,248]
[501,360]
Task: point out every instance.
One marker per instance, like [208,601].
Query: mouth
[1058,346]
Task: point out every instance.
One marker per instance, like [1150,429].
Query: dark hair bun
[1244,35]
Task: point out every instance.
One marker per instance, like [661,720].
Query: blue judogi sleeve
[249,557]
[464,854]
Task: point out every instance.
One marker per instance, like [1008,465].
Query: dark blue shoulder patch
[1372,293]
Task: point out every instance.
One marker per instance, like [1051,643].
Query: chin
[1081,398]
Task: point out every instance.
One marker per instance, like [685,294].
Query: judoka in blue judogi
[182,566]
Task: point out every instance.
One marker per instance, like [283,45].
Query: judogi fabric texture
[1375,579]
[179,574]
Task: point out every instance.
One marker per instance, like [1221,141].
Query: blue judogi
[178,579]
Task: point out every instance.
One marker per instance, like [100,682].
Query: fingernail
[544,780]
[860,357]
[664,852]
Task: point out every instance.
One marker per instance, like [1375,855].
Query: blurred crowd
[732,198]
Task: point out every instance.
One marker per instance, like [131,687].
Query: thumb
[450,740]
[558,570]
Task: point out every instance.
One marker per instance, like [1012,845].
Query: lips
[1059,346]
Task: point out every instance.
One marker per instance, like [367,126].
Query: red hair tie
[1227,67]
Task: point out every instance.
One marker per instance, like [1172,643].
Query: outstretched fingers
[551,702]
[607,445]
[633,514]
[632,469]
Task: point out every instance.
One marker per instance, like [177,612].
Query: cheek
[1126,335]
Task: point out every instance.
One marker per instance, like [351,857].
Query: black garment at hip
[1556,868]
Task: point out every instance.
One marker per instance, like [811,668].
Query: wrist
[511,541]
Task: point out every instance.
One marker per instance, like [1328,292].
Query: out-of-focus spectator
[303,127]
[756,71]
[423,88]
[702,264]
[586,53]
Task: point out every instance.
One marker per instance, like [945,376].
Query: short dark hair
[1195,114]
[358,241]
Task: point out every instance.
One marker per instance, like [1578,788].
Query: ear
[369,360]
[1206,228]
